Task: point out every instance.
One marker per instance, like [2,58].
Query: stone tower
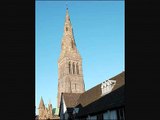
[70,76]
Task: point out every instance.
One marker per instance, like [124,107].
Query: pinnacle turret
[41,104]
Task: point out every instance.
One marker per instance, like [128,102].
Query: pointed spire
[68,31]
[41,104]
[67,21]
[49,101]
[49,105]
[68,42]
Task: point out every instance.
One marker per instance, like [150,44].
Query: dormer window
[107,86]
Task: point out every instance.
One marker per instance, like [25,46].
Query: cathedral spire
[70,76]
[41,104]
[68,42]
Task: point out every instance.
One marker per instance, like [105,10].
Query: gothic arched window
[73,68]
[77,67]
[69,67]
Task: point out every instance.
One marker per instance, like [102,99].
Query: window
[73,68]
[69,67]
[66,28]
[113,115]
[77,67]
[120,113]
[72,44]
[91,117]
[75,87]
[100,117]
[110,115]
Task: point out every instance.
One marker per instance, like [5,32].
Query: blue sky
[99,34]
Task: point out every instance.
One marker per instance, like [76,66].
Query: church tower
[70,76]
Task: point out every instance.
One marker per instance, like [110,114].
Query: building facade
[70,75]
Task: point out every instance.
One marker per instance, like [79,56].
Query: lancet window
[73,68]
[69,64]
[77,67]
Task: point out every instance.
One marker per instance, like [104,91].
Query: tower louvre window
[73,68]
[75,86]
[69,68]
[77,67]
